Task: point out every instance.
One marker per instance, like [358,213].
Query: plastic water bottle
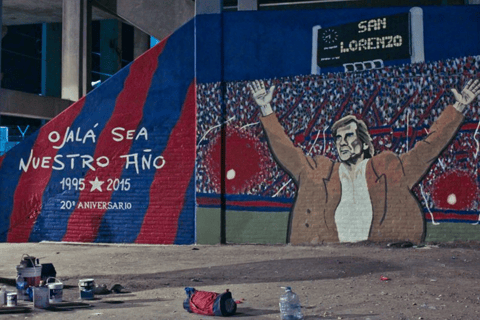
[21,288]
[290,307]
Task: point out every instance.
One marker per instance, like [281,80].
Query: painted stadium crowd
[393,101]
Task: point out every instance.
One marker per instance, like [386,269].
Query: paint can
[31,275]
[11,299]
[55,291]
[28,261]
[86,287]
[3,296]
[40,297]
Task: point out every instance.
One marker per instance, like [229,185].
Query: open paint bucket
[40,297]
[86,287]
[55,291]
[28,261]
[31,275]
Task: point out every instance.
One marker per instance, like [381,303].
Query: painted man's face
[349,145]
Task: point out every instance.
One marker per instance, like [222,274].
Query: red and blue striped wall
[118,165]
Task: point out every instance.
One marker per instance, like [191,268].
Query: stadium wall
[399,101]
[271,44]
[118,165]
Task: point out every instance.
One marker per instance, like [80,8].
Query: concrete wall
[116,166]
[16,103]
[157,18]
[120,164]
[242,226]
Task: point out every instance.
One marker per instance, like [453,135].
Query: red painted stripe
[258,204]
[1,160]
[27,200]
[205,201]
[240,203]
[83,224]
[419,132]
[166,202]
[452,216]
[469,127]
[378,131]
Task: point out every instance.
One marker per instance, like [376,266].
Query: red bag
[209,303]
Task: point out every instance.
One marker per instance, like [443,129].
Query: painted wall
[142,158]
[272,44]
[118,165]
[266,190]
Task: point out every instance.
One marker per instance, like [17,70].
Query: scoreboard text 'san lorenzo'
[385,38]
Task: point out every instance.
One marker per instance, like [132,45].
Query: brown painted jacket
[397,214]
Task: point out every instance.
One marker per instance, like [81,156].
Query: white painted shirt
[354,214]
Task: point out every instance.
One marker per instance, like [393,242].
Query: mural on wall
[116,166]
[363,196]
[422,164]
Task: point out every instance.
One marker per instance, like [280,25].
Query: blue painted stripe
[186,220]
[242,197]
[425,210]
[161,112]
[453,221]
[250,209]
[10,173]
[99,105]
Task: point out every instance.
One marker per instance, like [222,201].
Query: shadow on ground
[284,270]
[343,316]
[8,282]
[249,312]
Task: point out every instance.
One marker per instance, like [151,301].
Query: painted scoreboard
[366,44]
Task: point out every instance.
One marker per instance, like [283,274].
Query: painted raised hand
[262,97]
[468,94]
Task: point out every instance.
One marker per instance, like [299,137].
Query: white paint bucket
[11,299]
[86,283]
[3,296]
[31,275]
[55,291]
[40,297]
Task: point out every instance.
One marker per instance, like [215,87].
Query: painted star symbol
[96,184]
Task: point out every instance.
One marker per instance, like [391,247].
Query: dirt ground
[332,281]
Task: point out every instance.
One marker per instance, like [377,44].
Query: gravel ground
[436,281]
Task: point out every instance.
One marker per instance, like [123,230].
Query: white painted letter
[114,132]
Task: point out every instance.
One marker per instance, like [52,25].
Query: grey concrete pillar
[209,59]
[473,1]
[51,57]
[208,6]
[141,42]
[76,48]
[110,48]
[417,41]
[247,5]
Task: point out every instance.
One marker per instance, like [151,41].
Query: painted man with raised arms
[363,196]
